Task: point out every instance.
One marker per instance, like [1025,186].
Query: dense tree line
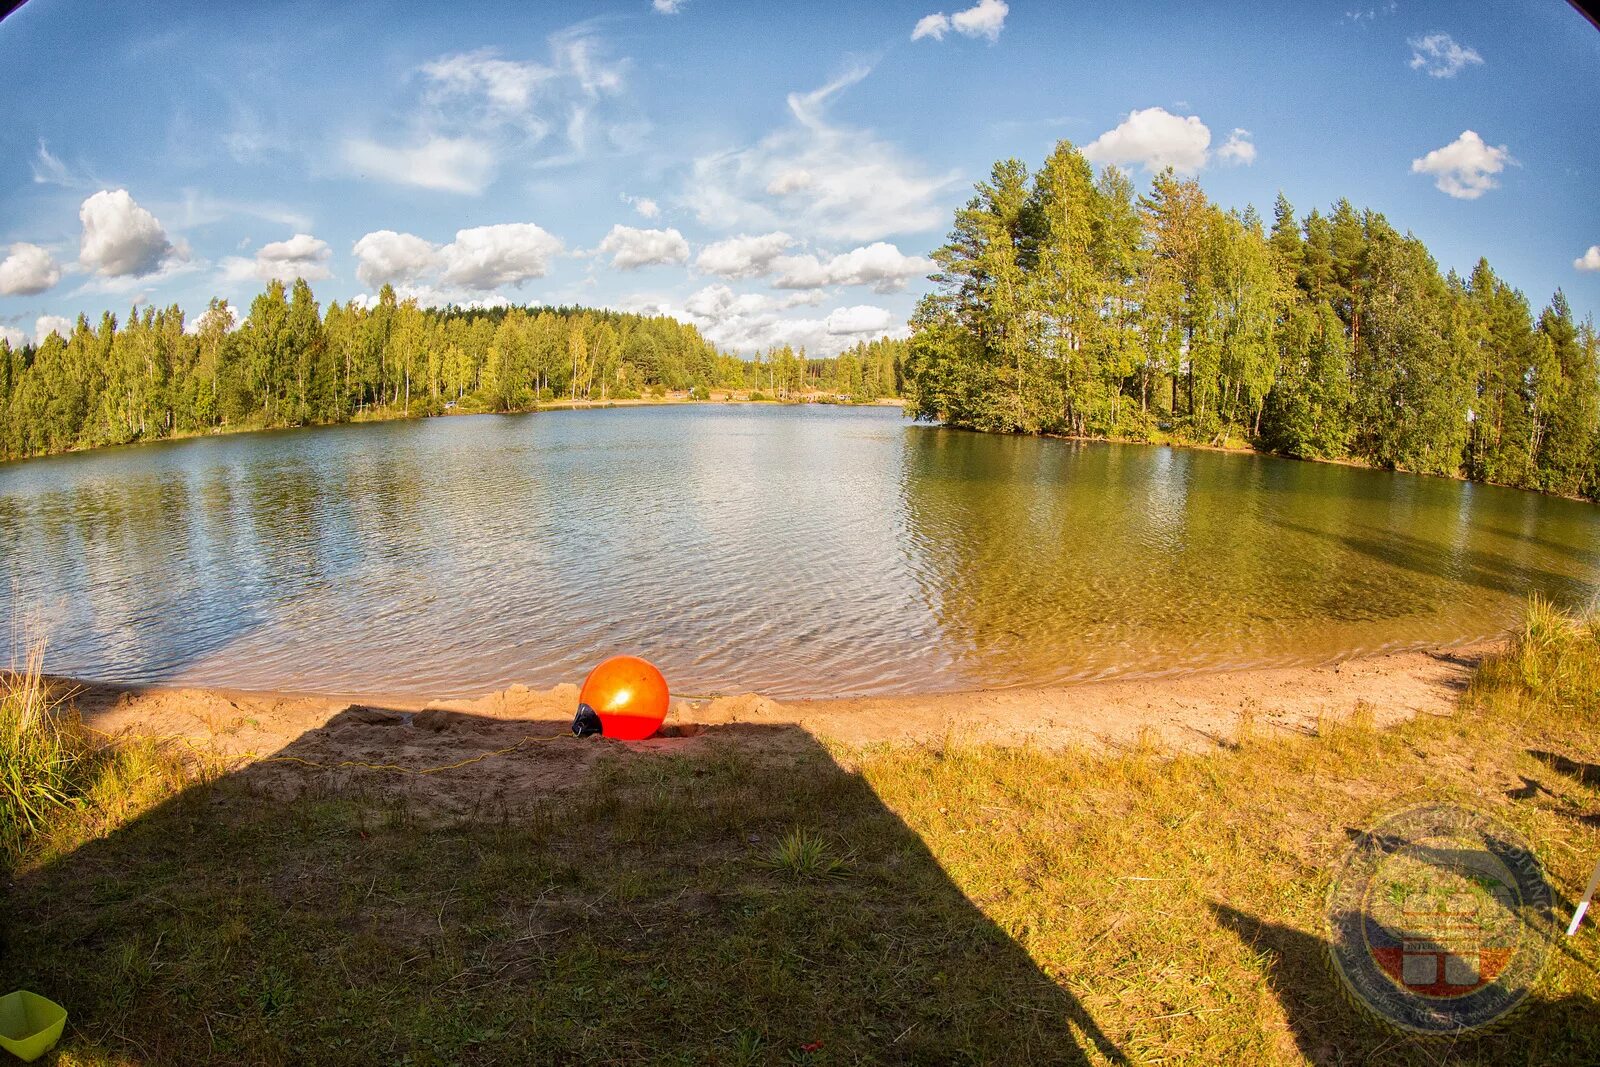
[288,363]
[1066,304]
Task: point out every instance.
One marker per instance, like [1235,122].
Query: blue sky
[772,172]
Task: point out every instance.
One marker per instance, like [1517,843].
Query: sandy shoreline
[1195,712]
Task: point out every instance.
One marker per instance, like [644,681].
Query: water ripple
[798,551]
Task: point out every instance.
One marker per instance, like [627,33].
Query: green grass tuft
[803,853]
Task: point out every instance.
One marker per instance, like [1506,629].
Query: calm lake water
[792,550]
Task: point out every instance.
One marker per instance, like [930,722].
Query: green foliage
[36,758]
[803,853]
[1064,307]
[289,364]
[55,772]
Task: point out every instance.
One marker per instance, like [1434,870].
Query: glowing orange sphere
[629,695]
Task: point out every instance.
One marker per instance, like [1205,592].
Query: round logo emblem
[1440,919]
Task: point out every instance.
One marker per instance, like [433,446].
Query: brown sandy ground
[491,752]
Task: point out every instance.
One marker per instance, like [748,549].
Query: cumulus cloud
[120,238]
[475,109]
[880,265]
[12,336]
[646,207]
[1238,148]
[752,322]
[26,270]
[631,249]
[1154,138]
[487,257]
[719,301]
[477,261]
[863,318]
[1590,260]
[1441,56]
[385,257]
[984,19]
[1465,167]
[743,256]
[301,256]
[831,180]
[46,325]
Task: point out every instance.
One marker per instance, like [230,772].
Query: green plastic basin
[30,1025]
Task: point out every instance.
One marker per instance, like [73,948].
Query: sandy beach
[514,745]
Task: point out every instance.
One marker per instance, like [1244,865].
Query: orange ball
[629,695]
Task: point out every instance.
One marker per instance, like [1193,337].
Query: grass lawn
[936,904]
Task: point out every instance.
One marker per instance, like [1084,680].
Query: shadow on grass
[638,912]
[1328,1026]
[1324,1023]
[1584,773]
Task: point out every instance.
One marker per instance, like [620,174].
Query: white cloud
[838,182]
[1590,260]
[984,19]
[880,265]
[120,238]
[646,207]
[752,322]
[229,319]
[202,209]
[301,256]
[630,248]
[743,256]
[503,88]
[667,7]
[1441,56]
[46,325]
[27,270]
[718,301]
[487,257]
[1465,167]
[1238,148]
[1154,138]
[451,164]
[477,109]
[49,170]
[478,260]
[385,257]
[863,318]
[1371,14]
[12,336]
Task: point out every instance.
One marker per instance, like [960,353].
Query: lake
[792,550]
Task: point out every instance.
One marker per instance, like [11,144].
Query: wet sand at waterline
[1191,713]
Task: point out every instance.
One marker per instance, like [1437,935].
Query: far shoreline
[681,398]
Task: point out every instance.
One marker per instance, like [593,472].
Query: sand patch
[513,749]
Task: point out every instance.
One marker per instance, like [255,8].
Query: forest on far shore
[1068,305]
[288,363]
